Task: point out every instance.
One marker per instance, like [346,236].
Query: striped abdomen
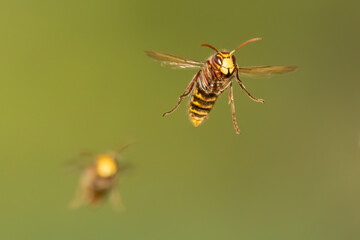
[200,105]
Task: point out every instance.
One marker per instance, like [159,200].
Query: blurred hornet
[214,77]
[99,180]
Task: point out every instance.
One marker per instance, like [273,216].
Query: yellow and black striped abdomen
[200,105]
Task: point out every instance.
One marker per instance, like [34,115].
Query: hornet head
[225,61]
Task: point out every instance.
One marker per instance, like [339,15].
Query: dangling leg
[231,101]
[243,87]
[116,201]
[187,92]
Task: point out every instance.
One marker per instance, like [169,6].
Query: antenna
[207,45]
[248,41]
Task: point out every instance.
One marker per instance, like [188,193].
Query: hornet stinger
[213,78]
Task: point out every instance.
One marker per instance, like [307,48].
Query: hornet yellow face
[106,166]
[225,62]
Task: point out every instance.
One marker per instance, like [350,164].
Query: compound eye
[218,60]
[233,59]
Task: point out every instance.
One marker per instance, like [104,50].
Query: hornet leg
[243,87]
[187,92]
[231,101]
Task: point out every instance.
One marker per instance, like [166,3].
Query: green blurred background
[74,76]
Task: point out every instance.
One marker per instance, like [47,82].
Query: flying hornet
[98,180]
[213,78]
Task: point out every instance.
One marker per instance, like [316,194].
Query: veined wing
[265,71]
[174,61]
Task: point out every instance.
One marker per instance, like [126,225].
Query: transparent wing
[81,198]
[81,161]
[173,61]
[78,200]
[265,71]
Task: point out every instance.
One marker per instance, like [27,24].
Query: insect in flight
[99,179]
[213,78]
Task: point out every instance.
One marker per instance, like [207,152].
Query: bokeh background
[74,76]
